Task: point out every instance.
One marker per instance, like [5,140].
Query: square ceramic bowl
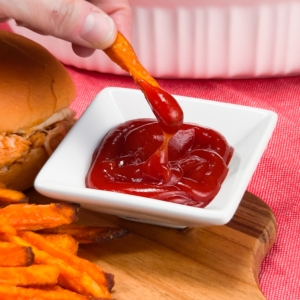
[247,129]
[202,39]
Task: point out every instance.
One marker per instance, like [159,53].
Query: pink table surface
[277,178]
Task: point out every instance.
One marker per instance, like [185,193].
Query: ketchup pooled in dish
[163,159]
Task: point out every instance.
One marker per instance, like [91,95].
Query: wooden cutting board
[160,263]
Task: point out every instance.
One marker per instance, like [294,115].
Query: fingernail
[99,30]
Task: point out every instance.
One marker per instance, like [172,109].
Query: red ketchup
[163,159]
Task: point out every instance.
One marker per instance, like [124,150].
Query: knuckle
[63,15]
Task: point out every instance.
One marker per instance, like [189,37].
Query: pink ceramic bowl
[203,39]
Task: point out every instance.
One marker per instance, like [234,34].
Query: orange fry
[34,217]
[8,196]
[8,292]
[63,241]
[12,255]
[5,226]
[75,279]
[89,234]
[122,53]
[29,276]
[78,263]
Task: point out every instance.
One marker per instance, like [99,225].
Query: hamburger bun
[35,93]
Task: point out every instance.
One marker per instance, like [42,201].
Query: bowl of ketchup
[189,167]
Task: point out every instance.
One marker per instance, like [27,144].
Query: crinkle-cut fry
[8,196]
[12,255]
[8,292]
[29,276]
[34,217]
[89,234]
[122,53]
[62,240]
[73,279]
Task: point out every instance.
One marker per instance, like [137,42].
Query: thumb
[76,21]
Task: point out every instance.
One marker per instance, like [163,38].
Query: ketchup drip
[161,159]
[170,118]
[164,106]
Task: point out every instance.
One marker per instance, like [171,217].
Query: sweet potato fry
[122,53]
[34,217]
[29,276]
[74,261]
[74,271]
[12,255]
[8,292]
[82,265]
[63,241]
[5,226]
[8,196]
[88,234]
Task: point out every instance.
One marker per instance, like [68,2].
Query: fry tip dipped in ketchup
[163,159]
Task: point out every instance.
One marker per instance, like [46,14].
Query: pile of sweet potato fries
[38,251]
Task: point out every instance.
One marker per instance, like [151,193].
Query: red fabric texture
[277,178]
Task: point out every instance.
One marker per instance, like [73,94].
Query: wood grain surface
[153,262]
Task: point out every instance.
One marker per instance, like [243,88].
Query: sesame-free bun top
[33,83]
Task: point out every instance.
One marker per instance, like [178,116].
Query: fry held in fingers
[122,53]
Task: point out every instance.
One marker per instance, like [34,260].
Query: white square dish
[247,129]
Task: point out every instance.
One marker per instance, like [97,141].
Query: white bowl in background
[247,129]
[202,39]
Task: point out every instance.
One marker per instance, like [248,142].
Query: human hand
[88,25]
